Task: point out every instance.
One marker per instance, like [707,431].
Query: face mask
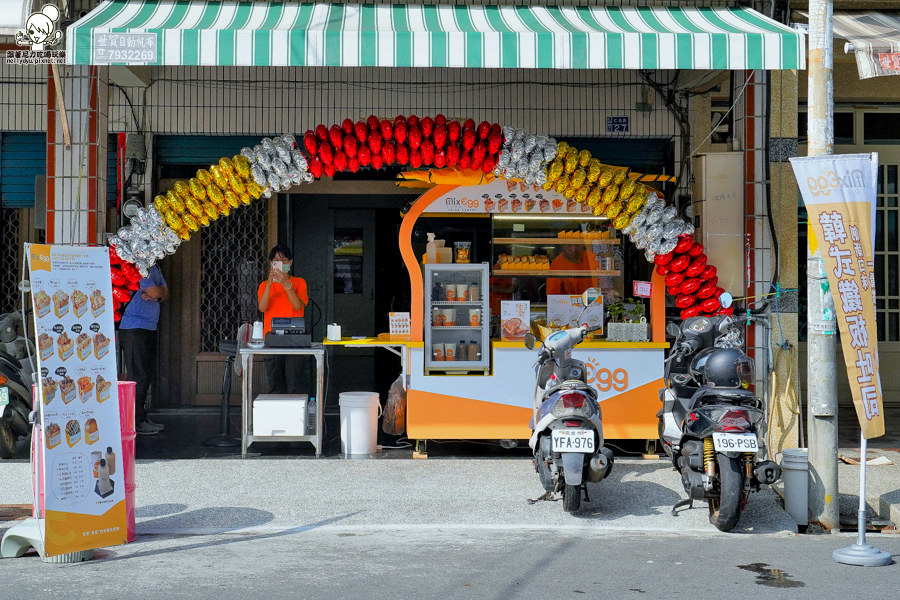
[286,268]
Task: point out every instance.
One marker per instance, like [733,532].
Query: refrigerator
[457,317]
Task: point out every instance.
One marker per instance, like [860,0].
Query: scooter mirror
[673,329]
[726,299]
[589,296]
[529,341]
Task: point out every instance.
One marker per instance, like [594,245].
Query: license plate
[573,440]
[4,396]
[735,442]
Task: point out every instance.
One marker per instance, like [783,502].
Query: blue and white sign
[616,124]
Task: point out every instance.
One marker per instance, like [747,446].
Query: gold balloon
[237,184]
[204,177]
[578,178]
[593,198]
[598,210]
[584,157]
[191,223]
[194,208]
[620,176]
[215,194]
[582,193]
[184,233]
[636,203]
[622,221]
[569,193]
[204,220]
[173,221]
[555,170]
[233,199]
[613,210]
[611,193]
[183,190]
[627,189]
[245,198]
[547,185]
[254,189]
[219,176]
[594,168]
[197,190]
[571,160]
[606,175]
[226,165]
[241,165]
[224,210]
[160,203]
[561,149]
[211,211]
[562,183]
[175,202]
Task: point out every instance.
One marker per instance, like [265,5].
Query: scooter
[17,369]
[567,428]
[710,425]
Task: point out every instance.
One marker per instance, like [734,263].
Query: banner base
[862,555]
[29,534]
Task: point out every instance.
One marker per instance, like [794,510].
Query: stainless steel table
[247,354]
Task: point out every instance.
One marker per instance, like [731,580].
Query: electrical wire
[725,116]
[133,112]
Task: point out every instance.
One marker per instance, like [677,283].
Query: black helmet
[722,367]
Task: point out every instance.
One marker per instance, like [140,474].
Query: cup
[449,317]
[438,352]
[462,292]
[450,292]
[449,351]
[475,317]
[437,318]
[474,293]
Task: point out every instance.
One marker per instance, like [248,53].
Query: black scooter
[710,425]
[17,356]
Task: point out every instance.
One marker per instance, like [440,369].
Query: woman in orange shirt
[282,296]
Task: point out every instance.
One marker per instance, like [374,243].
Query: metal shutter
[23,156]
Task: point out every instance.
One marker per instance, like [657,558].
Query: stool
[228,348]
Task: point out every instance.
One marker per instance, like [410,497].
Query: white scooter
[567,438]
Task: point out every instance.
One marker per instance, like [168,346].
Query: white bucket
[795,462]
[359,422]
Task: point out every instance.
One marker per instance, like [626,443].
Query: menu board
[84,488]
[515,320]
[565,312]
[513,197]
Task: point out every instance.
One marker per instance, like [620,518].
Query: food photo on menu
[79,303]
[73,432]
[66,346]
[53,435]
[101,345]
[85,388]
[42,303]
[45,343]
[60,303]
[49,387]
[67,389]
[83,342]
[98,303]
[91,431]
[103,387]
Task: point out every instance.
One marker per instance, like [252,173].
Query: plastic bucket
[795,463]
[126,420]
[359,422]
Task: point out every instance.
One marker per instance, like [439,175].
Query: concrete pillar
[76,174]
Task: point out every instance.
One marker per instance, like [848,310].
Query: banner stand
[861,554]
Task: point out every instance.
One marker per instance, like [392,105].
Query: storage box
[280,414]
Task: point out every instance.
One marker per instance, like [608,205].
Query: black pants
[139,348]
[288,375]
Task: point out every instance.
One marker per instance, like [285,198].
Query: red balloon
[311,143]
[325,153]
[440,158]
[465,160]
[468,139]
[469,124]
[706,290]
[402,154]
[452,155]
[353,164]
[475,164]
[427,126]
[488,165]
[495,128]
[315,167]
[696,249]
[684,244]
[415,158]
[710,304]
[453,131]
[351,146]
[340,161]
[726,311]
[322,133]
[114,256]
[495,140]
[664,259]
[689,312]
[439,136]
[347,126]
[377,161]
[478,153]
[427,150]
[116,277]
[362,131]
[399,119]
[329,170]
[372,122]
[484,130]
[690,285]
[673,290]
[440,120]
[415,137]
[413,121]
[387,130]
[132,286]
[365,156]
[375,143]
[121,295]
[336,136]
[696,267]
[663,270]
[673,279]
[130,271]
[708,273]
[388,153]
[679,264]
[713,281]
[685,300]
[400,131]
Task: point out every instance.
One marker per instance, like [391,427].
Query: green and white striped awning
[168,32]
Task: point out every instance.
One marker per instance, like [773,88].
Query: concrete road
[325,560]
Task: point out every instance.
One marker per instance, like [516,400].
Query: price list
[70,478]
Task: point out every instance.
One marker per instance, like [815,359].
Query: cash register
[288,332]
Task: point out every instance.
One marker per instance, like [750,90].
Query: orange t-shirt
[280,304]
[572,285]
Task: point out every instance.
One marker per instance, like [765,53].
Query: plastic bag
[394,421]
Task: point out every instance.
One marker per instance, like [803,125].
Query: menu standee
[84,494]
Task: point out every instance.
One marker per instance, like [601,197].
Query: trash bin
[359,422]
[126,420]
[795,465]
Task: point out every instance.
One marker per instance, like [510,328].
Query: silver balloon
[172,238]
[286,183]
[668,214]
[654,215]
[259,175]
[509,172]
[299,160]
[522,168]
[279,167]
[144,269]
[284,154]
[504,159]
[687,228]
[672,230]
[541,177]
[257,149]
[518,150]
[628,229]
[639,219]
[536,162]
[268,146]
[498,171]
[530,143]
[274,182]
[277,141]
[649,254]
[289,140]
[294,176]
[641,240]
[267,193]
[654,232]
[307,177]
[529,178]
[520,134]
[265,160]
[655,245]
[171,248]
[508,135]
[667,246]
[550,151]
[126,233]
[542,140]
[248,153]
[157,250]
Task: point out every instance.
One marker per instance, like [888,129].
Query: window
[881,128]
[843,127]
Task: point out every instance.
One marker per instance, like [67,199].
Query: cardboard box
[564,312]
[515,320]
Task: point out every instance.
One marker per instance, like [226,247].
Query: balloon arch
[512,154]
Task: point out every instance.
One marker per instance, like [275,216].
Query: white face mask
[286,267]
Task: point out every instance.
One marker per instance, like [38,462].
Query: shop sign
[890,61]
[839,193]
[125,48]
[84,487]
[515,320]
[41,30]
[642,289]
[505,197]
[616,124]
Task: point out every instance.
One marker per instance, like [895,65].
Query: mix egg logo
[604,379]
[40,29]
[830,181]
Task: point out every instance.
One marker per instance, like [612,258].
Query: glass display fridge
[457,317]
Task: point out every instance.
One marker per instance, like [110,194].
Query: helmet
[722,367]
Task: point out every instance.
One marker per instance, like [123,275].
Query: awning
[384,35]
[875,36]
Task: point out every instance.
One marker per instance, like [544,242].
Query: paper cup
[437,319]
[449,317]
[449,351]
[438,352]
[474,293]
[462,292]
[475,317]
[450,292]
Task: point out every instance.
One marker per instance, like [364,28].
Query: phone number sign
[125,48]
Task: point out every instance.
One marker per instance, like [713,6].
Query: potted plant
[625,323]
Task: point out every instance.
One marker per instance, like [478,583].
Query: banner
[84,488]
[512,197]
[839,193]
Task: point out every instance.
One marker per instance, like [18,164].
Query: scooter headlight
[572,403]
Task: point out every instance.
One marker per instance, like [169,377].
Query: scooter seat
[708,394]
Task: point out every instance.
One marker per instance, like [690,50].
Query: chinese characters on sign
[890,61]
[125,47]
[616,124]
